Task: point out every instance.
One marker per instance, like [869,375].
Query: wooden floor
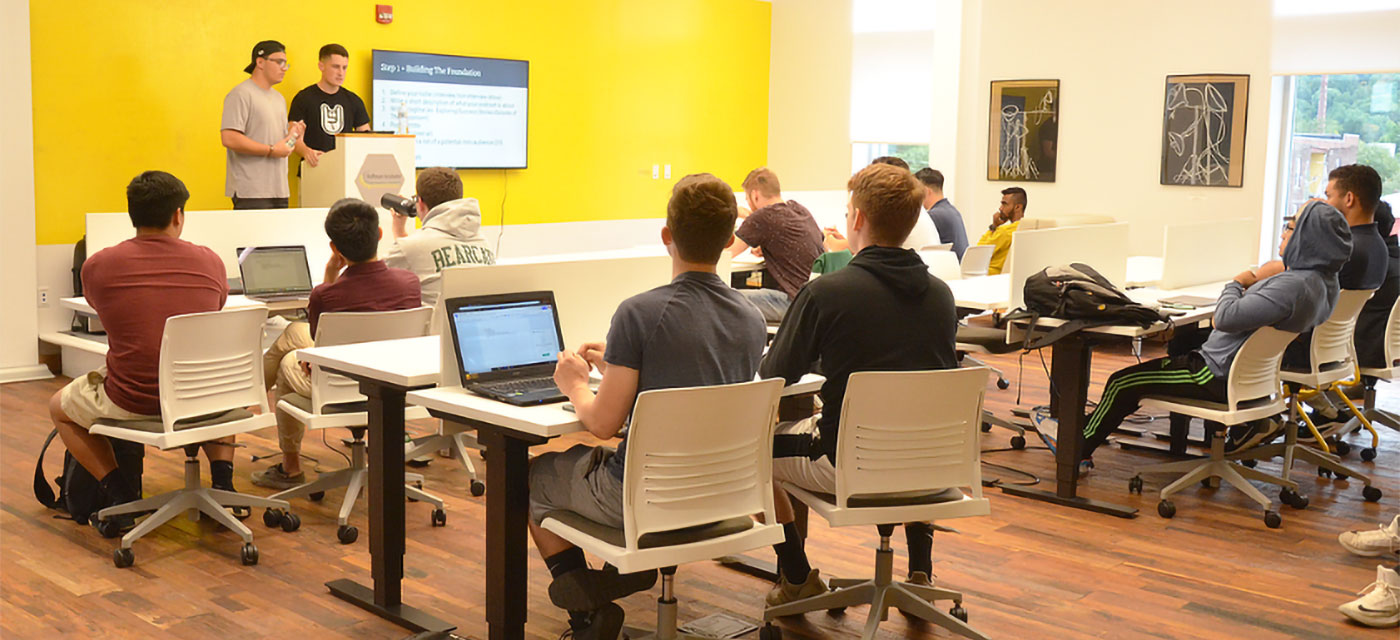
[1030,570]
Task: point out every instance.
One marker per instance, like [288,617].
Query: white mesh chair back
[910,431]
[1331,341]
[1254,372]
[345,327]
[211,363]
[699,455]
[977,259]
[1392,336]
[942,264]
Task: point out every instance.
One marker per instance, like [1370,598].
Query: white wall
[1112,59]
[809,94]
[19,347]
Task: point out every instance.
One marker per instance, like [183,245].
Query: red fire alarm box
[384,13]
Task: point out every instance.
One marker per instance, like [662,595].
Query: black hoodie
[883,312]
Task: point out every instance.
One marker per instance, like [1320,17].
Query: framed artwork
[1024,140]
[1203,130]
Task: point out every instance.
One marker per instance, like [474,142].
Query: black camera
[399,204]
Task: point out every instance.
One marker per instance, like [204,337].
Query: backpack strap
[42,490]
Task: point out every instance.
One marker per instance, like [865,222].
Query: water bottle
[403,117]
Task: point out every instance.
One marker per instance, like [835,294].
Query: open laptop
[271,274]
[507,345]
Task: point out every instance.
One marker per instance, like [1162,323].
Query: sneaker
[604,623]
[242,511]
[274,477]
[1085,466]
[1379,604]
[921,579]
[1379,541]
[593,589]
[420,461]
[1047,428]
[1251,434]
[785,592]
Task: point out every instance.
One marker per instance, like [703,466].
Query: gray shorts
[576,480]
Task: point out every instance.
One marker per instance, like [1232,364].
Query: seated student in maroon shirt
[356,280]
[134,286]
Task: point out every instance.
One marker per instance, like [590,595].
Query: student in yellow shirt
[1004,223]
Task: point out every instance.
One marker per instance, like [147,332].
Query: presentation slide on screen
[465,112]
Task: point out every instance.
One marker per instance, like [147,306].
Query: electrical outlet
[43,297]
[668,172]
[656,172]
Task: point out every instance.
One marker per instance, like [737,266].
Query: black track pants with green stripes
[1185,376]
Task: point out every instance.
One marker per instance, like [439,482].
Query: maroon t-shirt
[790,239]
[369,286]
[134,287]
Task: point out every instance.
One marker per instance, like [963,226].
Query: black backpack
[79,495]
[1078,293]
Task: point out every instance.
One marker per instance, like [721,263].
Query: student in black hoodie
[884,312]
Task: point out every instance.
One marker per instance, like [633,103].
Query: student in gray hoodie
[451,233]
[1296,299]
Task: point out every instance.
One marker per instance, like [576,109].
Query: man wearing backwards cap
[255,131]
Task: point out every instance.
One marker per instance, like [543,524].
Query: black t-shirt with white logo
[327,114]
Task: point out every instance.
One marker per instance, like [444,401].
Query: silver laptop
[507,345]
[271,274]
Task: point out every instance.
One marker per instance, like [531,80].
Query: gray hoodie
[1296,300]
[450,237]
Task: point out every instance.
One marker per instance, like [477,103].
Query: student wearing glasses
[255,131]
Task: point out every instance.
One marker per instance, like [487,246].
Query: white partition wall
[1101,246]
[1204,252]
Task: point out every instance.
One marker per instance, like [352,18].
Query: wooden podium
[362,165]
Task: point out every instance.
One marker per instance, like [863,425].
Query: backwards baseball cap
[262,50]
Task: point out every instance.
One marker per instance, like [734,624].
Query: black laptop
[507,345]
[271,274]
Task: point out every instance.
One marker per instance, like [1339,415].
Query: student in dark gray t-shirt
[695,331]
[946,218]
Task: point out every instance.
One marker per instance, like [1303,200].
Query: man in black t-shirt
[327,107]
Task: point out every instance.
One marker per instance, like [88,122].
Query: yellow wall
[615,86]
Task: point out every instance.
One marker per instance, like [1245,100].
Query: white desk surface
[982,292]
[80,304]
[1143,271]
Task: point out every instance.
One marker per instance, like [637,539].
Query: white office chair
[907,448]
[1331,362]
[210,373]
[976,260]
[942,264]
[1253,394]
[1371,374]
[943,246]
[699,465]
[336,402]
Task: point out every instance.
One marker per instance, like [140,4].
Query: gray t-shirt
[695,331]
[260,114]
[949,223]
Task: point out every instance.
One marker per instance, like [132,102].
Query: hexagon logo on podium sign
[379,175]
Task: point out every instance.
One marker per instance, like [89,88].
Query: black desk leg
[1069,380]
[507,532]
[386,516]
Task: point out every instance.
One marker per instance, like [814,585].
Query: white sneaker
[1379,604]
[1379,541]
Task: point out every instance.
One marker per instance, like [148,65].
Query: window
[863,152]
[892,80]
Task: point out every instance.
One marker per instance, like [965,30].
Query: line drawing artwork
[1198,115]
[1015,160]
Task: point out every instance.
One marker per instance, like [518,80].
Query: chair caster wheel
[347,533]
[1250,463]
[123,558]
[1341,476]
[986,428]
[1342,447]
[1166,509]
[316,496]
[1323,472]
[1135,485]
[1272,519]
[274,517]
[1371,494]
[1003,384]
[770,632]
[109,528]
[1368,454]
[837,611]
[291,522]
[478,488]
[1293,499]
[1018,442]
[249,555]
[439,518]
[958,612]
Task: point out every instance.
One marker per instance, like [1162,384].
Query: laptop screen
[501,334]
[274,270]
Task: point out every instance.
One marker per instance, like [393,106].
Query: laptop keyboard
[521,385]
